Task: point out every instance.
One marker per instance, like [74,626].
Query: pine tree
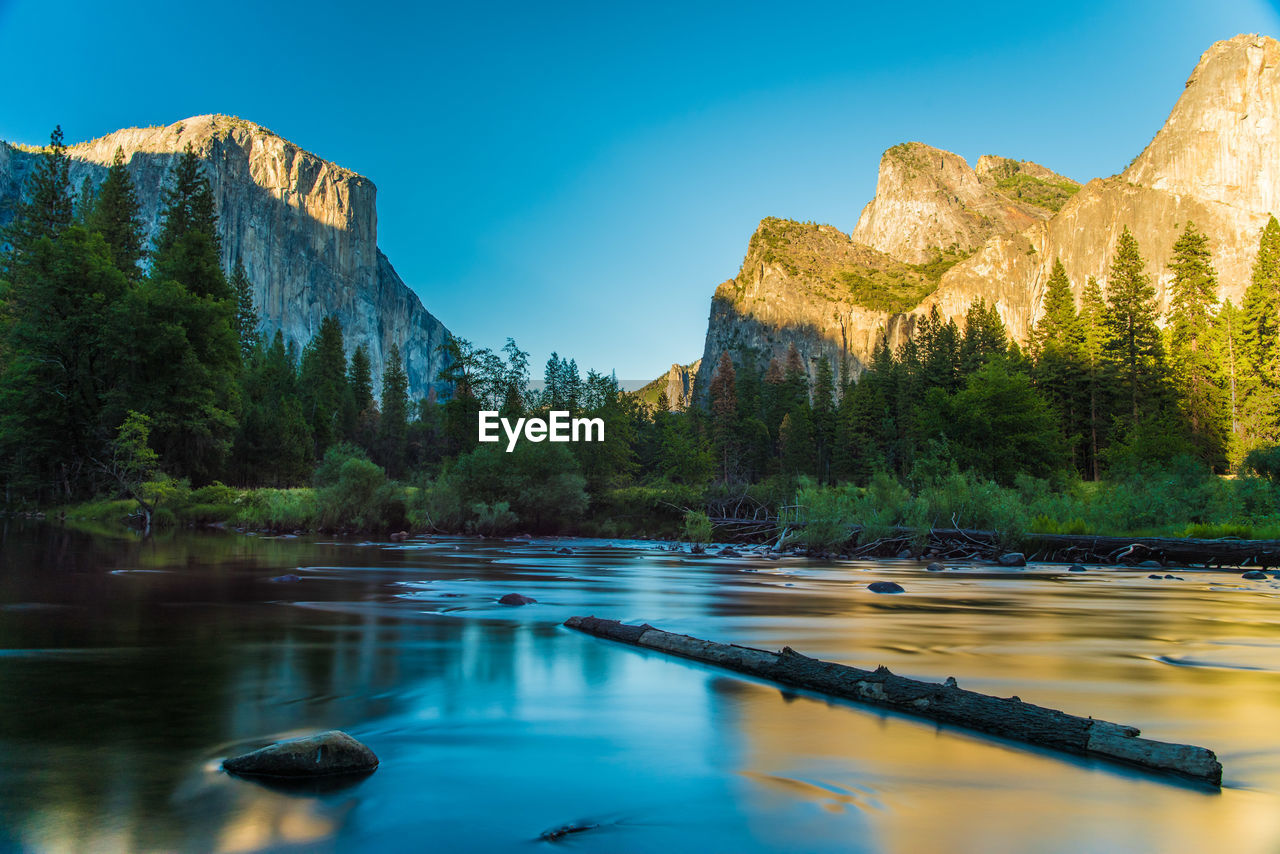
[824,418]
[1093,345]
[1194,293]
[1133,348]
[116,215]
[188,249]
[795,438]
[360,378]
[393,426]
[1260,404]
[1234,377]
[174,336]
[47,210]
[246,312]
[1059,369]
[1058,319]
[724,417]
[985,337]
[57,371]
[1262,304]
[323,382]
[939,348]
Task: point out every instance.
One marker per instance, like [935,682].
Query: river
[128,669]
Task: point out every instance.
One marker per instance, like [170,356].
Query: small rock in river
[1174,577]
[1254,575]
[1012,559]
[1151,563]
[935,567]
[1156,577]
[285,579]
[329,753]
[885,587]
[516,599]
[728,552]
[1075,567]
[564,550]
[904,554]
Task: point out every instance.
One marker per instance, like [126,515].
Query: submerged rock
[728,552]
[564,550]
[1151,563]
[935,567]
[885,587]
[326,754]
[1254,575]
[1012,559]
[1156,577]
[285,579]
[516,599]
[1075,567]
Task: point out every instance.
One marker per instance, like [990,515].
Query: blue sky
[582,175]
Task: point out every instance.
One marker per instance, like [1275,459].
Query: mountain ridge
[1215,161]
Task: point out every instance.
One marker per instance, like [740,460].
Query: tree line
[120,356]
[97,326]
[1100,387]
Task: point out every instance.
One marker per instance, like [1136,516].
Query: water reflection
[127,669]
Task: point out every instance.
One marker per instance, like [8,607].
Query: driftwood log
[946,702]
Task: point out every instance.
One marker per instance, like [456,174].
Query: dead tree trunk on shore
[963,543]
[947,703]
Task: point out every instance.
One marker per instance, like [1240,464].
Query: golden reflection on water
[119,691]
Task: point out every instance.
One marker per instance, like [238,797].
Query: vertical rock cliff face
[677,383]
[1215,162]
[797,287]
[305,229]
[928,200]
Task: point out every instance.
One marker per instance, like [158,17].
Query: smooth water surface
[128,670]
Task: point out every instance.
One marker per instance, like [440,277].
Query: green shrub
[1264,462]
[697,527]
[493,520]
[278,509]
[361,499]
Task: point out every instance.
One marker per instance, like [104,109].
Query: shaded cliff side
[305,229]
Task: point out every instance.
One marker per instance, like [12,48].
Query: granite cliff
[677,382]
[305,229]
[939,233]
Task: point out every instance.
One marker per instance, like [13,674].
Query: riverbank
[354,496]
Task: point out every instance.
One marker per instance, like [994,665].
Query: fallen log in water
[947,703]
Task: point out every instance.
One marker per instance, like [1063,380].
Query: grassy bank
[492,494]
[1176,502]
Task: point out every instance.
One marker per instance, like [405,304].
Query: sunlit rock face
[928,199]
[1215,162]
[305,229]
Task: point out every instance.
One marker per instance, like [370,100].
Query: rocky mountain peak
[1221,142]
[929,200]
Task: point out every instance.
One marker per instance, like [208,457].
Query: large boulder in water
[1012,559]
[326,754]
[516,599]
